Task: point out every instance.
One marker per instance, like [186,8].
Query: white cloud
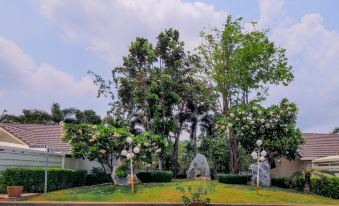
[313,52]
[108,27]
[25,84]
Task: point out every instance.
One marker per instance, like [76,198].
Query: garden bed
[166,192]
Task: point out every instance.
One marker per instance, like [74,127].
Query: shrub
[326,186]
[158,176]
[298,183]
[282,182]
[33,179]
[233,179]
[182,176]
[97,176]
[196,193]
[121,172]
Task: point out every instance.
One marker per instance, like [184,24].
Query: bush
[97,176]
[159,176]
[282,182]
[326,186]
[182,176]
[121,172]
[233,179]
[298,183]
[33,179]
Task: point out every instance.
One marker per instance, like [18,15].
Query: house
[320,151]
[16,141]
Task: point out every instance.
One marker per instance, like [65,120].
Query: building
[320,151]
[16,141]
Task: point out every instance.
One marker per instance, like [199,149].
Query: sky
[47,47]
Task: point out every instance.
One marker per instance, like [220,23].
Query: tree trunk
[194,135]
[176,151]
[234,153]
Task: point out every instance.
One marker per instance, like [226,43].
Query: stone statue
[198,168]
[264,173]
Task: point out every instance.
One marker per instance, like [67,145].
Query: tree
[238,65]
[57,114]
[335,130]
[275,126]
[96,142]
[155,85]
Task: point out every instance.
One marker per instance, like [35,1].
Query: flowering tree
[96,142]
[106,143]
[152,147]
[275,125]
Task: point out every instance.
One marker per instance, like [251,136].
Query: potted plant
[14,191]
[195,195]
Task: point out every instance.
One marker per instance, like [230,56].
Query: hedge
[233,179]
[33,179]
[326,186]
[157,176]
[282,182]
[93,179]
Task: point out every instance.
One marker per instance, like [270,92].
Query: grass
[166,192]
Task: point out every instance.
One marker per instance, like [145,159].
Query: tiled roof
[320,145]
[49,134]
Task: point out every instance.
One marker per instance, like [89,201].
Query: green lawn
[166,192]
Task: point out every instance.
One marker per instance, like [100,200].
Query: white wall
[18,155]
[23,157]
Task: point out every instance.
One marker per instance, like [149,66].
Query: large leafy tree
[156,87]
[241,64]
[275,126]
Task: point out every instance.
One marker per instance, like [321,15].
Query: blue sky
[46,47]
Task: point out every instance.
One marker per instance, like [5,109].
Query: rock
[199,168]
[264,173]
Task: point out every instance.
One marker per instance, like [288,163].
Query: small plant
[197,193]
[121,171]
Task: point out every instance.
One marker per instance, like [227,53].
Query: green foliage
[217,150]
[197,193]
[96,142]
[159,176]
[97,176]
[151,146]
[122,171]
[326,186]
[32,179]
[233,179]
[275,125]
[282,182]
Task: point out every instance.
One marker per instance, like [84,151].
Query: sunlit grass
[166,192]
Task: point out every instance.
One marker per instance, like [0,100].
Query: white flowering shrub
[275,125]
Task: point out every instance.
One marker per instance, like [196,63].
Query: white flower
[231,115]
[102,151]
[158,150]
[271,113]
[267,125]
[262,120]
[252,122]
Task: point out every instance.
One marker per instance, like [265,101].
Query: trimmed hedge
[33,179]
[282,182]
[158,176]
[233,179]
[93,179]
[326,186]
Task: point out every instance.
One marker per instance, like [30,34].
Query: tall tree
[240,64]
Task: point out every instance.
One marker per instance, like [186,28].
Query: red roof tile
[49,134]
[320,145]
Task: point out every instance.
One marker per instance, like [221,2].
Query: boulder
[264,173]
[199,168]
